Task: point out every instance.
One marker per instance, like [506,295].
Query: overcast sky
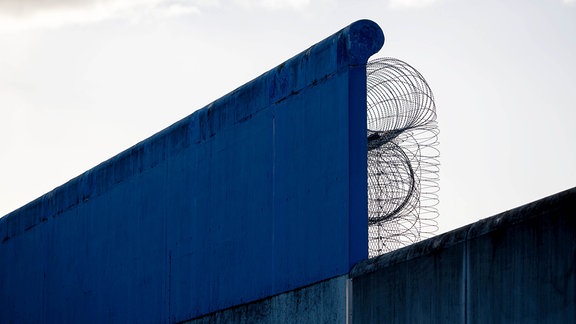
[82,80]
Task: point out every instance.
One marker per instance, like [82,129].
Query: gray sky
[82,80]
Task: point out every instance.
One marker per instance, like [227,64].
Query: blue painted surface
[260,192]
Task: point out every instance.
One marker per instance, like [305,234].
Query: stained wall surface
[261,192]
[515,267]
[323,302]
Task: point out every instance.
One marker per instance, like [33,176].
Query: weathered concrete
[516,267]
[259,193]
[324,302]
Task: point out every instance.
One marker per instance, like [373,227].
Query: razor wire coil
[402,156]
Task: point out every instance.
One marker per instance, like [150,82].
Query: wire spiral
[402,156]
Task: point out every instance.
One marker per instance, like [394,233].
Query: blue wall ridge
[260,192]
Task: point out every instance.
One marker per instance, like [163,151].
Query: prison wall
[515,267]
[259,193]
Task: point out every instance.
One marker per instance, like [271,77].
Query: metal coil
[402,156]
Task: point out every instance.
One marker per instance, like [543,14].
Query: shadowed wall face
[259,193]
[516,267]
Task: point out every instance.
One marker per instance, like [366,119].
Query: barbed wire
[402,156]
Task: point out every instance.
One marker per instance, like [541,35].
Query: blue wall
[260,192]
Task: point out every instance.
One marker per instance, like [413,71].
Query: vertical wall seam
[169,318]
[273,230]
[466,278]
[44,268]
[167,251]
[349,305]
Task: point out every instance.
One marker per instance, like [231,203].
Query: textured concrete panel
[516,267]
[324,302]
[522,264]
[422,283]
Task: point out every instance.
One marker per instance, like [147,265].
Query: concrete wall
[516,267]
[323,302]
[259,193]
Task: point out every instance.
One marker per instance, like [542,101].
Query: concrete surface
[516,267]
[324,302]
